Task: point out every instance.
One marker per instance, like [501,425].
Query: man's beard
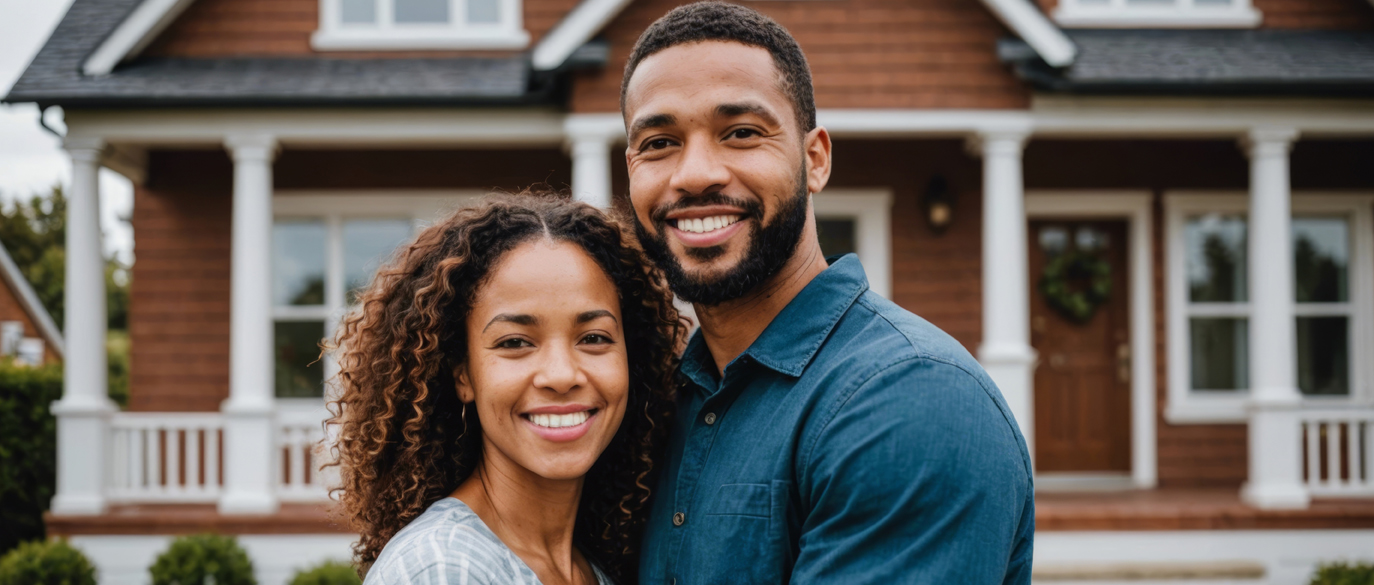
[770,247]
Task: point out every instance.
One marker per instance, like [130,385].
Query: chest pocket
[746,525]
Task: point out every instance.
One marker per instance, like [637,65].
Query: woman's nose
[560,371]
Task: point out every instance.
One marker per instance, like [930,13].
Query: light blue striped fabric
[449,545]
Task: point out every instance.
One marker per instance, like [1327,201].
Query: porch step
[1214,571]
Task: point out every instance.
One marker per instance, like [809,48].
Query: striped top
[449,545]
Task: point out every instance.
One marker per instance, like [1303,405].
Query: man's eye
[658,144]
[514,343]
[744,133]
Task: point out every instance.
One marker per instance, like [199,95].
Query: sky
[31,159]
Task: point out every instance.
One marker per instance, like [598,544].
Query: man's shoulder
[879,331]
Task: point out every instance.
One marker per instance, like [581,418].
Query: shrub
[328,573]
[28,449]
[191,558]
[1340,573]
[49,563]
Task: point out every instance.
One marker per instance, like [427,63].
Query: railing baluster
[193,458]
[212,479]
[1314,475]
[119,467]
[1333,454]
[137,472]
[153,458]
[294,443]
[1352,453]
[174,458]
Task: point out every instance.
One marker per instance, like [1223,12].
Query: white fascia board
[133,34]
[9,271]
[576,29]
[1036,29]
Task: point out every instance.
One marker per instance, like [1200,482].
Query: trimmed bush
[49,563]
[328,573]
[1341,573]
[191,559]
[28,449]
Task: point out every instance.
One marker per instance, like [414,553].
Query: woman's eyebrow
[512,318]
[596,314]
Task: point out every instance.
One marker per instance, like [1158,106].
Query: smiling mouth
[705,224]
[560,421]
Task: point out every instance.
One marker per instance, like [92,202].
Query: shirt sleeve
[919,476]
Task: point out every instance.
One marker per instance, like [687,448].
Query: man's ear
[462,384]
[816,148]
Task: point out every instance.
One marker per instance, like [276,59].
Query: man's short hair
[718,21]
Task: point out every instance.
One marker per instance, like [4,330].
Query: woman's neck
[532,515]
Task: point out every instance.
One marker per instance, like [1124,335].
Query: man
[824,434]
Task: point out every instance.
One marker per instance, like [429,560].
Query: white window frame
[871,210]
[1188,407]
[1166,14]
[422,208]
[386,35]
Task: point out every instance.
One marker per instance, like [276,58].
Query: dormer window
[381,25]
[1157,14]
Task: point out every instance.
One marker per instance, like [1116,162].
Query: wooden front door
[1083,380]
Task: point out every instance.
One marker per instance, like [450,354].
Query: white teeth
[558,421]
[709,224]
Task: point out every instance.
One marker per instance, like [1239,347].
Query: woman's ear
[462,385]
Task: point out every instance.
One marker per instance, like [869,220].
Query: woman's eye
[513,343]
[596,339]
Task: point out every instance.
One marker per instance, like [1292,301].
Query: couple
[513,409]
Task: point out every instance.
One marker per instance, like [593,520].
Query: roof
[1292,62]
[23,291]
[55,75]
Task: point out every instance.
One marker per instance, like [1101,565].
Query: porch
[256,455]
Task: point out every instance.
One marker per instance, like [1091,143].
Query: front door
[1080,328]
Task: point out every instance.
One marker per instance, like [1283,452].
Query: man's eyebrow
[741,108]
[511,318]
[596,314]
[651,121]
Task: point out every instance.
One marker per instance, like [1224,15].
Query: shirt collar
[796,334]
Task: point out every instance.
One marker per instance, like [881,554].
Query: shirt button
[679,518]
[710,418]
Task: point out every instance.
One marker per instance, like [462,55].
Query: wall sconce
[938,203]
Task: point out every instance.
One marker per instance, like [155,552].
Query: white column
[1275,437]
[589,140]
[249,426]
[1006,352]
[85,404]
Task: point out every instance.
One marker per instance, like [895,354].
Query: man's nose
[700,169]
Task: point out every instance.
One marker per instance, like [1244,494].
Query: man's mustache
[752,209]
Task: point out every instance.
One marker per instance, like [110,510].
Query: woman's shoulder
[448,543]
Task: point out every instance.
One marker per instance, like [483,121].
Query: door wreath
[1076,284]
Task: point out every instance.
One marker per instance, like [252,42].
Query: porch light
[938,203]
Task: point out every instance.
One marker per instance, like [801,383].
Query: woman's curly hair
[402,441]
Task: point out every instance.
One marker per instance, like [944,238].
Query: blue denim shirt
[853,442]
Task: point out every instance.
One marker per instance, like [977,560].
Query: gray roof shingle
[54,76]
[1309,62]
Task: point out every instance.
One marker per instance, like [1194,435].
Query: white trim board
[1028,22]
[28,300]
[133,34]
[871,210]
[578,27]
[1187,407]
[1137,208]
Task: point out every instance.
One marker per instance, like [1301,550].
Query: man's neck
[731,327]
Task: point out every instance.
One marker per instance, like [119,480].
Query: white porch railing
[173,457]
[1338,452]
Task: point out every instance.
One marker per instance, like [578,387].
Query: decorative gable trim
[133,34]
[1053,46]
[23,291]
[587,19]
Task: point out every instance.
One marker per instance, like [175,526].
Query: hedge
[1341,573]
[28,449]
[328,573]
[191,558]
[48,563]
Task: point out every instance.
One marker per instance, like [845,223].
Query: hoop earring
[464,416]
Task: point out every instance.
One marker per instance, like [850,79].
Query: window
[1210,311]
[858,221]
[420,24]
[325,250]
[1157,13]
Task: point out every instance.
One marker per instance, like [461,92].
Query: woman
[505,385]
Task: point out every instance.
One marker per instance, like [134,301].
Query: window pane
[298,262]
[1215,248]
[1211,3]
[358,11]
[836,235]
[1324,355]
[421,11]
[299,369]
[1219,353]
[1321,259]
[367,243]
[484,11]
